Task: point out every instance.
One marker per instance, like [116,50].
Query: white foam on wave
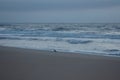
[1,28]
[86,38]
[96,47]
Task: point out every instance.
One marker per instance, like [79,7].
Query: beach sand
[28,64]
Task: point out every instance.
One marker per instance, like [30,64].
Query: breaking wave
[101,39]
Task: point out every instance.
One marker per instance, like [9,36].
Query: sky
[59,11]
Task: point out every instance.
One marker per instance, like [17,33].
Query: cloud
[59,11]
[85,16]
[39,5]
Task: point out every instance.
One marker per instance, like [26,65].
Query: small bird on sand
[54,50]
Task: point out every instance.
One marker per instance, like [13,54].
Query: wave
[62,35]
[64,27]
[113,52]
[73,41]
[108,31]
[85,38]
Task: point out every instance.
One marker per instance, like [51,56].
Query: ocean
[84,38]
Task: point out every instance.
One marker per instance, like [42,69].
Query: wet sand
[28,64]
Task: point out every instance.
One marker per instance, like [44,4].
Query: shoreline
[63,52]
[30,64]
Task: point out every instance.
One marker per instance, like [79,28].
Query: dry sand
[28,64]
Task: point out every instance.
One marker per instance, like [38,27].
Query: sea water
[86,38]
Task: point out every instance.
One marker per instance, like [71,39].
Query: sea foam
[102,39]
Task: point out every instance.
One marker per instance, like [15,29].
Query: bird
[54,50]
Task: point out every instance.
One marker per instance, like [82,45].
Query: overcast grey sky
[57,11]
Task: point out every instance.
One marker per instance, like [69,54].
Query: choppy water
[102,39]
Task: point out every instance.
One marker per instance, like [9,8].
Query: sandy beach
[28,64]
